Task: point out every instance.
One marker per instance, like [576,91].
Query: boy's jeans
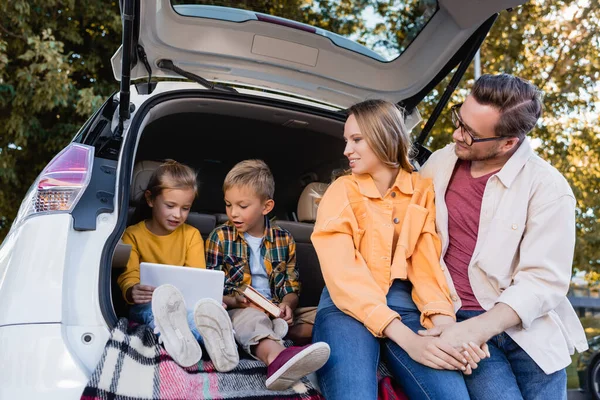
[511,374]
[142,313]
[351,372]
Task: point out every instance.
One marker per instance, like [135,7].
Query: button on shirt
[524,251]
[365,241]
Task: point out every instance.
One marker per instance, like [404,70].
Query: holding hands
[462,336]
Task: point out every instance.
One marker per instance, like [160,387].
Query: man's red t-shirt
[463,199]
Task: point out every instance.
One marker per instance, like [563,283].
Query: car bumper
[36,363]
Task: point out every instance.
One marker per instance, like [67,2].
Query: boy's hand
[242,302]
[286,313]
[141,294]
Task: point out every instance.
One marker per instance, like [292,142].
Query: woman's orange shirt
[365,241]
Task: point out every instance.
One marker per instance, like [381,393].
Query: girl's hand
[435,353]
[141,294]
[286,313]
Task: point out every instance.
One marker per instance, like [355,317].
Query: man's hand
[459,333]
[140,294]
[286,313]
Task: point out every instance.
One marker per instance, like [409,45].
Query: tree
[54,71]
[554,44]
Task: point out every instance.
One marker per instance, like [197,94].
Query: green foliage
[55,71]
[555,44]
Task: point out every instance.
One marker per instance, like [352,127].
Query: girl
[376,242]
[162,237]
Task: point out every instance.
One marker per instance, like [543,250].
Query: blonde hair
[382,125]
[169,175]
[254,174]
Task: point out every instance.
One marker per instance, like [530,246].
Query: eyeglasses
[469,139]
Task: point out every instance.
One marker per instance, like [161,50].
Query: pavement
[576,395]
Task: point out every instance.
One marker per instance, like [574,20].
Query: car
[588,369]
[207,86]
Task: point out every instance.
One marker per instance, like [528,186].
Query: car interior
[303,151]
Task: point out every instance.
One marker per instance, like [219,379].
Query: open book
[259,300]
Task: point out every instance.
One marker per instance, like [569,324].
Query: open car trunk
[211,135]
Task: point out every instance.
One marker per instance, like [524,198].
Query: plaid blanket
[135,367]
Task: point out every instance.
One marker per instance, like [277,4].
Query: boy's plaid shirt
[227,250]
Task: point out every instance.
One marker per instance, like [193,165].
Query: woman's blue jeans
[142,314]
[351,372]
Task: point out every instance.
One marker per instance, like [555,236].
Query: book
[259,300]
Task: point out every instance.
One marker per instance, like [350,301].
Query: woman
[377,245]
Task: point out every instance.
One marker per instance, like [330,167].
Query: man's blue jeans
[142,314]
[351,372]
[511,374]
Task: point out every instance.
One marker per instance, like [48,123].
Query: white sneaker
[280,327]
[170,318]
[214,324]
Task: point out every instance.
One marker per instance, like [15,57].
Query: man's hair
[254,174]
[382,125]
[518,101]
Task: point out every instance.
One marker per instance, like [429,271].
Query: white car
[234,84]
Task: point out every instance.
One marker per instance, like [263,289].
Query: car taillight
[61,184]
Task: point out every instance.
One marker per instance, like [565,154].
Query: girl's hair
[169,175]
[382,125]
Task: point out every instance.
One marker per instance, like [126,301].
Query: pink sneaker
[294,363]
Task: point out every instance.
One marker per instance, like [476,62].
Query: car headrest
[309,201]
[141,176]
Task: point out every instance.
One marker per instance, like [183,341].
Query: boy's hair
[382,125]
[518,101]
[169,175]
[254,174]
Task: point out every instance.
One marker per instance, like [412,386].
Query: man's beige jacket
[524,251]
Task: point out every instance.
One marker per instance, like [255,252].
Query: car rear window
[380,30]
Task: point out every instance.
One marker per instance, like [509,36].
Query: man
[506,219]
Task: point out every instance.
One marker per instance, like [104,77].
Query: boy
[253,252]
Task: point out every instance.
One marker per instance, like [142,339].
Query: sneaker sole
[170,317]
[307,361]
[280,327]
[214,325]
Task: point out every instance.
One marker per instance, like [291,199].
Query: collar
[366,184]
[515,163]
[267,235]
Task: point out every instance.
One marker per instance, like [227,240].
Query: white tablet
[193,283]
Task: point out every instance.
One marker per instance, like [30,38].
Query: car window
[380,30]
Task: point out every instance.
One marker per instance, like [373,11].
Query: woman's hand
[435,353]
[432,352]
[140,294]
